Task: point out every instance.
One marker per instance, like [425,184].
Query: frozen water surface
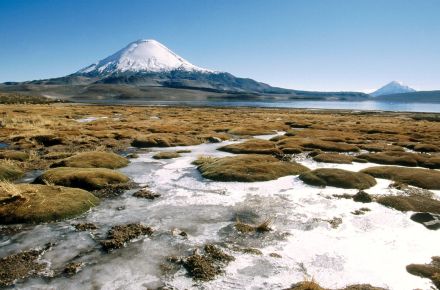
[371,248]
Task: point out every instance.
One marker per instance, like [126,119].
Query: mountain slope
[141,56]
[146,69]
[392,88]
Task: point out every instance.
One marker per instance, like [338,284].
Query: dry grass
[85,178]
[248,168]
[32,203]
[338,178]
[166,155]
[253,146]
[53,128]
[424,178]
[8,191]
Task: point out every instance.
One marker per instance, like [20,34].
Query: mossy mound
[337,158]
[85,178]
[379,147]
[411,203]
[32,203]
[165,140]
[253,146]
[14,155]
[424,178]
[426,148]
[330,146]
[403,158]
[166,155]
[10,171]
[338,178]
[247,168]
[251,130]
[299,143]
[94,159]
[430,271]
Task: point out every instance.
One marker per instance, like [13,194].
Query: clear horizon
[306,45]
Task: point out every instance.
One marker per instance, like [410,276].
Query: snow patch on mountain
[142,56]
[391,88]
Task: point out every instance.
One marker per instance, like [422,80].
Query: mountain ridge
[392,88]
[146,69]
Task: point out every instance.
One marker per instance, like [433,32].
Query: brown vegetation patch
[146,193]
[337,158]
[85,227]
[247,168]
[245,228]
[430,271]
[424,178]
[20,266]
[14,155]
[118,236]
[300,143]
[403,158]
[253,146]
[94,159]
[85,178]
[207,266]
[379,147]
[338,178]
[166,155]
[10,171]
[165,140]
[410,203]
[311,285]
[31,203]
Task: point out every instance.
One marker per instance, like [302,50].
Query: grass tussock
[416,203]
[430,271]
[85,178]
[423,178]
[94,159]
[32,203]
[247,168]
[253,146]
[166,155]
[10,170]
[338,178]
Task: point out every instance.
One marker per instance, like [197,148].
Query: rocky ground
[64,161]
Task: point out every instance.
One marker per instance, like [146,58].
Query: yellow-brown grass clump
[85,178]
[32,203]
[247,168]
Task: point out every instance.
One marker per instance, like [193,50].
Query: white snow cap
[393,87]
[143,56]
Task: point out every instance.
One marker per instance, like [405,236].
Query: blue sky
[309,44]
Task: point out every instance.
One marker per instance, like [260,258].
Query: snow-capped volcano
[142,56]
[391,88]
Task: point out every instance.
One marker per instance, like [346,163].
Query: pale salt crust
[371,248]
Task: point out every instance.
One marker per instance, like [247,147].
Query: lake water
[315,104]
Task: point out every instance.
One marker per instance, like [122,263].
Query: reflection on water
[315,104]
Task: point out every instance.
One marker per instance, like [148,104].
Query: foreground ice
[372,248]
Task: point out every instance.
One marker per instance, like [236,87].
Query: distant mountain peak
[144,55]
[394,87]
